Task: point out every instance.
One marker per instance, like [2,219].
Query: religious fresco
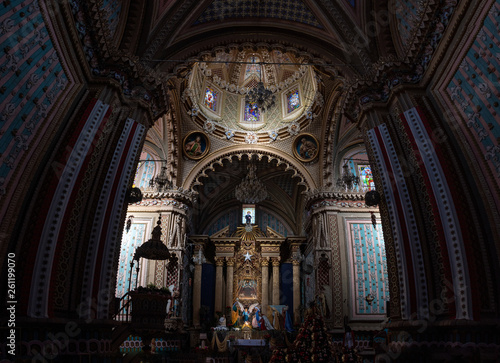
[305,147]
[196,145]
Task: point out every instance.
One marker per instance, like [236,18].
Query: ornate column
[229,280]
[296,290]
[330,269]
[198,259]
[219,263]
[276,280]
[265,283]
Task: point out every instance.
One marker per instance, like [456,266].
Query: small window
[248,214]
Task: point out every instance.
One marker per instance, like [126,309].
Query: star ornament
[248,256]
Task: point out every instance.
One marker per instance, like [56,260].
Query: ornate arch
[200,170]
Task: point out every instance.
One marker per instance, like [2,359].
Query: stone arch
[200,170]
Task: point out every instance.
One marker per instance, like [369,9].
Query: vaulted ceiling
[346,34]
[216,195]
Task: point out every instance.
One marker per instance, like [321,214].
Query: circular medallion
[196,145]
[305,147]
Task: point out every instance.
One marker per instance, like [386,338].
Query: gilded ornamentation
[219,261]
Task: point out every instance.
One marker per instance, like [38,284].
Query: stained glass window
[248,210]
[252,113]
[211,99]
[145,171]
[366,177]
[254,68]
[293,100]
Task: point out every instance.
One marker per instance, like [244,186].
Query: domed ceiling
[216,88]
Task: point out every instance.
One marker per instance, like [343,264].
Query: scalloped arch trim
[218,157]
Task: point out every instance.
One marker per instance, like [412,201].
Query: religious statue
[282,318]
[319,231]
[248,218]
[240,315]
[177,309]
[221,325]
[176,238]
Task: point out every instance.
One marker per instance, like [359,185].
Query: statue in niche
[319,231]
[248,218]
[176,237]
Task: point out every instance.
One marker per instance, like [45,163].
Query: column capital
[276,261]
[264,261]
[198,255]
[230,261]
[219,261]
[295,262]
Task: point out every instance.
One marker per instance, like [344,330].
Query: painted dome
[217,86]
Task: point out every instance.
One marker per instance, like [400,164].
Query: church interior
[250,181]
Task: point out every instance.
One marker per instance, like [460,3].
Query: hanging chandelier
[261,96]
[348,181]
[251,190]
[160,182]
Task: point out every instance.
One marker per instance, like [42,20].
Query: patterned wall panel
[474,88]
[232,218]
[130,241]
[336,264]
[31,80]
[265,219]
[367,269]
[112,9]
[291,10]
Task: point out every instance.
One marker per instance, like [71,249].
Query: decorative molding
[227,154]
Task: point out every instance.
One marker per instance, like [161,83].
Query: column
[265,282]
[296,290]
[198,260]
[219,262]
[229,280]
[276,280]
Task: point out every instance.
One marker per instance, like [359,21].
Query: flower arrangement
[201,349]
[152,288]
